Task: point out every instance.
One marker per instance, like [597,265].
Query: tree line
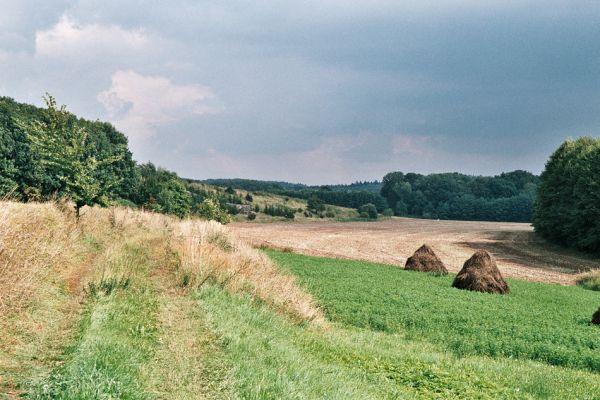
[505,197]
[51,154]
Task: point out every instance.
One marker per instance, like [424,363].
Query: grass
[116,339]
[273,358]
[547,323]
[590,281]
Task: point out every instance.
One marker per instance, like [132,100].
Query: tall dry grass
[208,251]
[40,243]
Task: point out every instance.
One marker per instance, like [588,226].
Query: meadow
[543,322]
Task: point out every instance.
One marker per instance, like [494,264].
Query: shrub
[211,210]
[279,211]
[251,215]
[249,198]
[369,209]
[388,212]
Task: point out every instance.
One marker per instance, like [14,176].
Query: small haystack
[596,318]
[425,260]
[480,273]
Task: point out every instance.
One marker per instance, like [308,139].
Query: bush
[251,215]
[210,209]
[279,211]
[388,212]
[369,209]
[315,204]
[330,214]
[249,198]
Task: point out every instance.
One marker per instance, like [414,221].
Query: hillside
[130,304]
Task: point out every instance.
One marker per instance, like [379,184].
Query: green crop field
[547,323]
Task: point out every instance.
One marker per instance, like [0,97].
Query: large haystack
[425,260]
[596,318]
[480,273]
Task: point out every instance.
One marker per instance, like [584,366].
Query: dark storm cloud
[317,91]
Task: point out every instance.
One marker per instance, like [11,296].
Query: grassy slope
[549,323]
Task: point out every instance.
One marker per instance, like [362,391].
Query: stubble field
[518,252]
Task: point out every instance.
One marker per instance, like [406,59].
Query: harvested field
[519,253]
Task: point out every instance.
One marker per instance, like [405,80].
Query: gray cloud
[316,91]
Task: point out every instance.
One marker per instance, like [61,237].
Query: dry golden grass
[208,251]
[48,260]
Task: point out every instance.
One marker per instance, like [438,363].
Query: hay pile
[480,273]
[596,318]
[425,260]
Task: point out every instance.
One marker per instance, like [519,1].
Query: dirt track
[518,252]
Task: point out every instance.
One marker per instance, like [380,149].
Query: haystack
[596,318]
[425,260]
[480,273]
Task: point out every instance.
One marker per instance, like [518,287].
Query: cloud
[67,37]
[139,104]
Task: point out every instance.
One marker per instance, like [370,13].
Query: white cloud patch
[139,104]
[67,37]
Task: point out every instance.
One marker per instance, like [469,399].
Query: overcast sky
[316,91]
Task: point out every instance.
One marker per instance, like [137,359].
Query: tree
[65,152]
[567,208]
[162,191]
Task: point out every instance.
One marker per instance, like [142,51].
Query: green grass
[547,323]
[117,337]
[273,358]
[590,281]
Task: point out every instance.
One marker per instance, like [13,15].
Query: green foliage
[279,211]
[249,198]
[567,209]
[211,210]
[352,196]
[547,323]
[507,197]
[162,191]
[32,166]
[369,210]
[315,204]
[67,154]
[388,212]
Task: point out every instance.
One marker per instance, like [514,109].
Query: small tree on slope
[66,153]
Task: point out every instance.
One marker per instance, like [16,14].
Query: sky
[316,91]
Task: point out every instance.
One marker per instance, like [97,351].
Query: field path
[519,253]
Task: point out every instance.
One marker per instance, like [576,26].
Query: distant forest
[506,197]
